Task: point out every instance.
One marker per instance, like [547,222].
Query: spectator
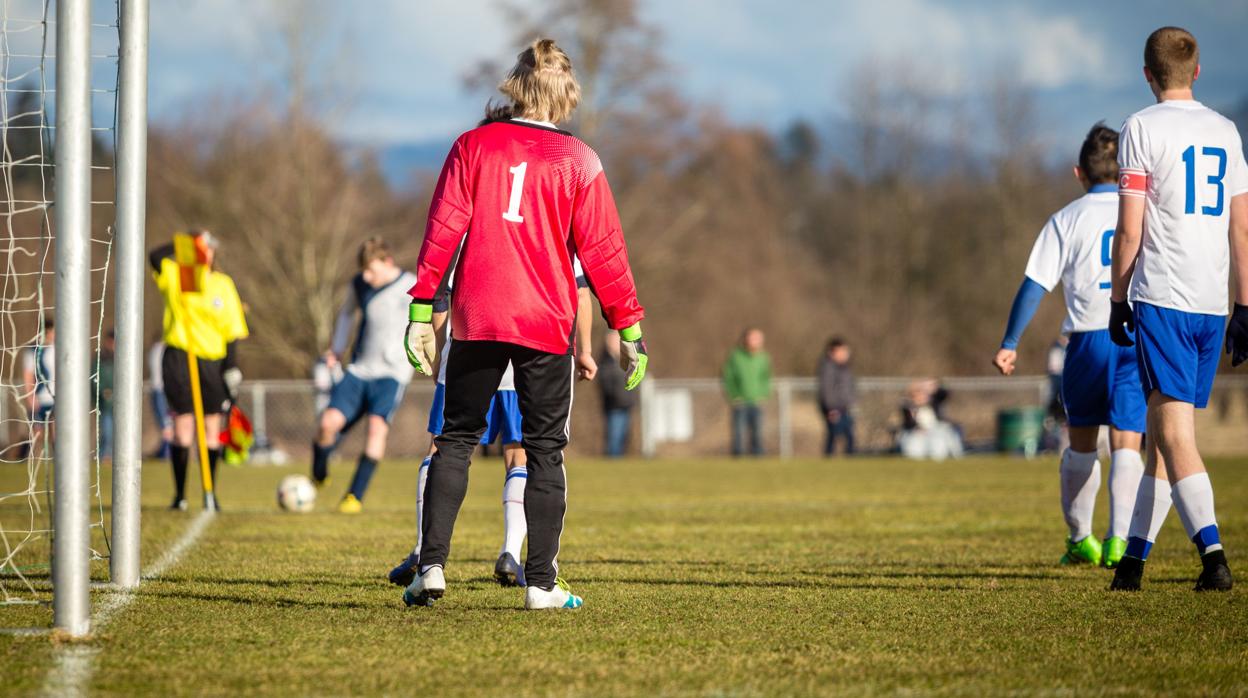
[838,392]
[926,433]
[104,384]
[617,403]
[1057,362]
[156,390]
[747,384]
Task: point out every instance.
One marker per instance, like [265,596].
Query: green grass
[704,577]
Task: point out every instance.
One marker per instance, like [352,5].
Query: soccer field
[702,577]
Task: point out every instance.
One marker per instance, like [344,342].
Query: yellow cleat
[350,505]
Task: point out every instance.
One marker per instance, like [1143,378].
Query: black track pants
[544,391]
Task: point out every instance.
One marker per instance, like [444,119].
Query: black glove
[1122,323]
[1237,335]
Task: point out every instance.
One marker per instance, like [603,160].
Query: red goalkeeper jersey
[528,197]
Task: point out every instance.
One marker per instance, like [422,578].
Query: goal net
[28,247]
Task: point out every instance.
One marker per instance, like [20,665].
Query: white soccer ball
[296,493]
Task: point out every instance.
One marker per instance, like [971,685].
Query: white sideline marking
[75,663]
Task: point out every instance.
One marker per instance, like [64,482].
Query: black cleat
[1216,575]
[179,504]
[508,572]
[1128,574]
[405,572]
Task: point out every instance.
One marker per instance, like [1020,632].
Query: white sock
[1152,505]
[1193,498]
[1126,467]
[1081,478]
[422,476]
[515,527]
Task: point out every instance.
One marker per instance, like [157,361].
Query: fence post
[259,418]
[784,394]
[647,410]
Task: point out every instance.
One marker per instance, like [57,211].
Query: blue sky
[398,64]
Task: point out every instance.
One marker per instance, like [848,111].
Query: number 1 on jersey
[517,186]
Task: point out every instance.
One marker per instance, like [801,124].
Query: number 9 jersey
[529,197]
[1187,161]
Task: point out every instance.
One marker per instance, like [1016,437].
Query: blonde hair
[1172,56]
[541,86]
[373,249]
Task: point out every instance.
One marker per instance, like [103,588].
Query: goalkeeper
[528,197]
[208,323]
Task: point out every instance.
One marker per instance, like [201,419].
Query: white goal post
[71,556]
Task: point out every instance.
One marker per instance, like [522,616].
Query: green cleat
[1085,551]
[1112,551]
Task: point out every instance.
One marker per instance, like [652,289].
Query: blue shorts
[43,414]
[502,419]
[354,397]
[1101,384]
[1178,352]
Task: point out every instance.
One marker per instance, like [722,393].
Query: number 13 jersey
[1187,161]
[529,197]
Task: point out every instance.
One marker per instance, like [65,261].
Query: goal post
[131,185]
[71,543]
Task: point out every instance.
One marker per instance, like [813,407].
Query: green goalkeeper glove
[633,358]
[419,341]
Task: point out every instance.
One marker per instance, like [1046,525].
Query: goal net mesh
[27,301]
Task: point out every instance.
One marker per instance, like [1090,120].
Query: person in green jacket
[747,383]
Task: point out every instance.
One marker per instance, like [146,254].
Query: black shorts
[177,377]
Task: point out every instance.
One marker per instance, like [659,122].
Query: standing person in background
[1056,367]
[160,405]
[838,391]
[208,323]
[747,384]
[617,401]
[104,384]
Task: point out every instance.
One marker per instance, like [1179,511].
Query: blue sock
[363,473]
[1207,538]
[1138,548]
[320,462]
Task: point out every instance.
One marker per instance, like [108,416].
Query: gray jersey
[378,351]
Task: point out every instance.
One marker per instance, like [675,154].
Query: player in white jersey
[378,374]
[503,422]
[39,375]
[1101,383]
[1184,185]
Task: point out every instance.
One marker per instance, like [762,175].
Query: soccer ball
[296,493]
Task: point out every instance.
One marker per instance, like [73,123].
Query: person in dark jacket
[617,402]
[838,392]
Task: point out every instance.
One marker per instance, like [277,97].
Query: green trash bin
[1020,429]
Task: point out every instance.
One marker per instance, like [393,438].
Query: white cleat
[536,598]
[425,589]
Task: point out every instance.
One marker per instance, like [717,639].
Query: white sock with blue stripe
[515,526]
[1193,498]
[422,476]
[1152,505]
[1081,478]
[1126,468]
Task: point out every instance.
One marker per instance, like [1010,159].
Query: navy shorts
[1178,352]
[354,397]
[502,420]
[1101,384]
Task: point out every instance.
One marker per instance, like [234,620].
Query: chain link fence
[690,417]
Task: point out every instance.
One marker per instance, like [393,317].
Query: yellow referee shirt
[201,323]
